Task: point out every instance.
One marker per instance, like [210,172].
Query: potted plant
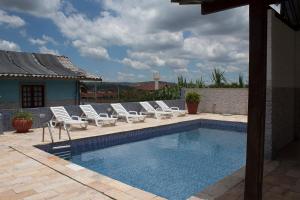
[192,100]
[22,121]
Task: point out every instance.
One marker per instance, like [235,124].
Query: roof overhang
[290,12]
[48,77]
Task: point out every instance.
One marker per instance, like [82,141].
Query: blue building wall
[9,90]
[60,90]
[57,92]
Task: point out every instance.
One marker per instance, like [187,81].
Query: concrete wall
[297,89]
[280,85]
[222,100]
[268,122]
[42,115]
[57,92]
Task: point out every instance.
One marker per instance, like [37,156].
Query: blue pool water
[173,166]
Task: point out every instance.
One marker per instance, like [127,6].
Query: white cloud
[159,59]
[46,50]
[9,46]
[232,69]
[97,52]
[180,71]
[125,76]
[40,8]
[42,41]
[135,64]
[11,20]
[157,33]
[217,49]
[37,41]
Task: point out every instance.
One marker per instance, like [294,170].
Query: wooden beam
[258,10]
[221,5]
[187,2]
[208,7]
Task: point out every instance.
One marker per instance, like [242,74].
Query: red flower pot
[192,107]
[22,125]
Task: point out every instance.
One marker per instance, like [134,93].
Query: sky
[128,40]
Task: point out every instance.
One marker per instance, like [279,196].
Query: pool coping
[110,187]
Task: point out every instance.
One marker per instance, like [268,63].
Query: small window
[32,96]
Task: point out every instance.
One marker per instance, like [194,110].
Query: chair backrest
[60,113]
[118,108]
[89,111]
[147,106]
[163,105]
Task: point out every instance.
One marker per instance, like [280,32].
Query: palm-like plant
[200,83]
[218,78]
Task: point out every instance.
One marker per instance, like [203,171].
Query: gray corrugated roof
[6,66]
[66,62]
[52,63]
[27,62]
[20,64]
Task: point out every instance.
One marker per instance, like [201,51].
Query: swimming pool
[174,166]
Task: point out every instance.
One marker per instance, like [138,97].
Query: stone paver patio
[29,173]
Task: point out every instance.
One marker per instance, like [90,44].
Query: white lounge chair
[175,110]
[130,116]
[157,113]
[89,113]
[60,115]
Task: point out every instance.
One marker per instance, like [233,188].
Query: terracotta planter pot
[192,107]
[22,125]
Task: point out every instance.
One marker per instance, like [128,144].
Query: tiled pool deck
[29,173]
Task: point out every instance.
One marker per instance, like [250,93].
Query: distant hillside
[150,85]
[147,85]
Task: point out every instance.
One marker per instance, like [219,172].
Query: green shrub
[23,115]
[192,97]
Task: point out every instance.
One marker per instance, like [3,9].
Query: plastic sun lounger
[89,113]
[175,110]
[130,116]
[157,113]
[60,115]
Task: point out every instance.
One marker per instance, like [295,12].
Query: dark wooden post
[257,99]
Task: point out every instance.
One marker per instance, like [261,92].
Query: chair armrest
[143,113]
[53,122]
[103,115]
[159,109]
[174,108]
[133,112]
